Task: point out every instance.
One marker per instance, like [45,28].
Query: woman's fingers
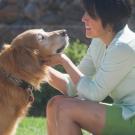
[56,59]
[52,60]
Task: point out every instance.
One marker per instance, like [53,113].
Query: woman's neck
[107,37]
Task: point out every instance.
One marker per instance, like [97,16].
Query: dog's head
[45,43]
[29,49]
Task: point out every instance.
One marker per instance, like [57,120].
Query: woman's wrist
[65,60]
[72,70]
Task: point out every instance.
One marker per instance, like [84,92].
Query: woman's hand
[71,69]
[57,59]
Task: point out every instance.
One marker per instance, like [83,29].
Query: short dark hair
[113,12]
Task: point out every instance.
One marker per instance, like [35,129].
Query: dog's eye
[40,37]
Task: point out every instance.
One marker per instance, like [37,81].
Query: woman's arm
[109,75]
[57,80]
[68,65]
[74,73]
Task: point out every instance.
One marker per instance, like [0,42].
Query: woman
[108,68]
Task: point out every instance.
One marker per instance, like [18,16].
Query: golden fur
[24,59]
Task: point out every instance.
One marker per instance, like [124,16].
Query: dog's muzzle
[61,49]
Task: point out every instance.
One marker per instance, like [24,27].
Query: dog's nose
[63,33]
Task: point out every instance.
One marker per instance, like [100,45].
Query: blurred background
[19,15]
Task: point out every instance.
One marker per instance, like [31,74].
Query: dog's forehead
[27,34]
[36,31]
[32,33]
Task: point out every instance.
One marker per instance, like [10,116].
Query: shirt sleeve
[87,67]
[116,64]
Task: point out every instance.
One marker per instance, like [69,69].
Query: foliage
[34,126]
[75,52]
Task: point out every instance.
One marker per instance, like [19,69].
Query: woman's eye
[40,37]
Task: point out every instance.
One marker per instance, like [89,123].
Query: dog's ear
[26,58]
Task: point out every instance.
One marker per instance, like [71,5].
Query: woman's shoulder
[124,42]
[122,52]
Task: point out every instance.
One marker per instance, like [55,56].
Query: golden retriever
[22,69]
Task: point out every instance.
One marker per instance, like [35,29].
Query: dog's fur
[24,59]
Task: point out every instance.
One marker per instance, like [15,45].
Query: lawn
[34,126]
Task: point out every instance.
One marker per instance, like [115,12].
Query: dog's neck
[19,83]
[34,75]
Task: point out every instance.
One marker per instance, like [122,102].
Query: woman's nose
[84,18]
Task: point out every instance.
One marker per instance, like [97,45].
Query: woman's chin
[88,36]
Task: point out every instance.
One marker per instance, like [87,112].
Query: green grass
[34,126]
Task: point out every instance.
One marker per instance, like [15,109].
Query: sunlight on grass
[34,126]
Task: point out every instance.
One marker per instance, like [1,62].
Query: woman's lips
[87,28]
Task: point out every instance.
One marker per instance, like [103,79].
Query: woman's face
[93,27]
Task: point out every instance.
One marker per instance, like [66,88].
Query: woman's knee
[54,102]
[60,104]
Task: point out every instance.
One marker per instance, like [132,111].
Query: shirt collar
[125,35]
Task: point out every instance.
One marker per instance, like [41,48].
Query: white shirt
[109,71]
